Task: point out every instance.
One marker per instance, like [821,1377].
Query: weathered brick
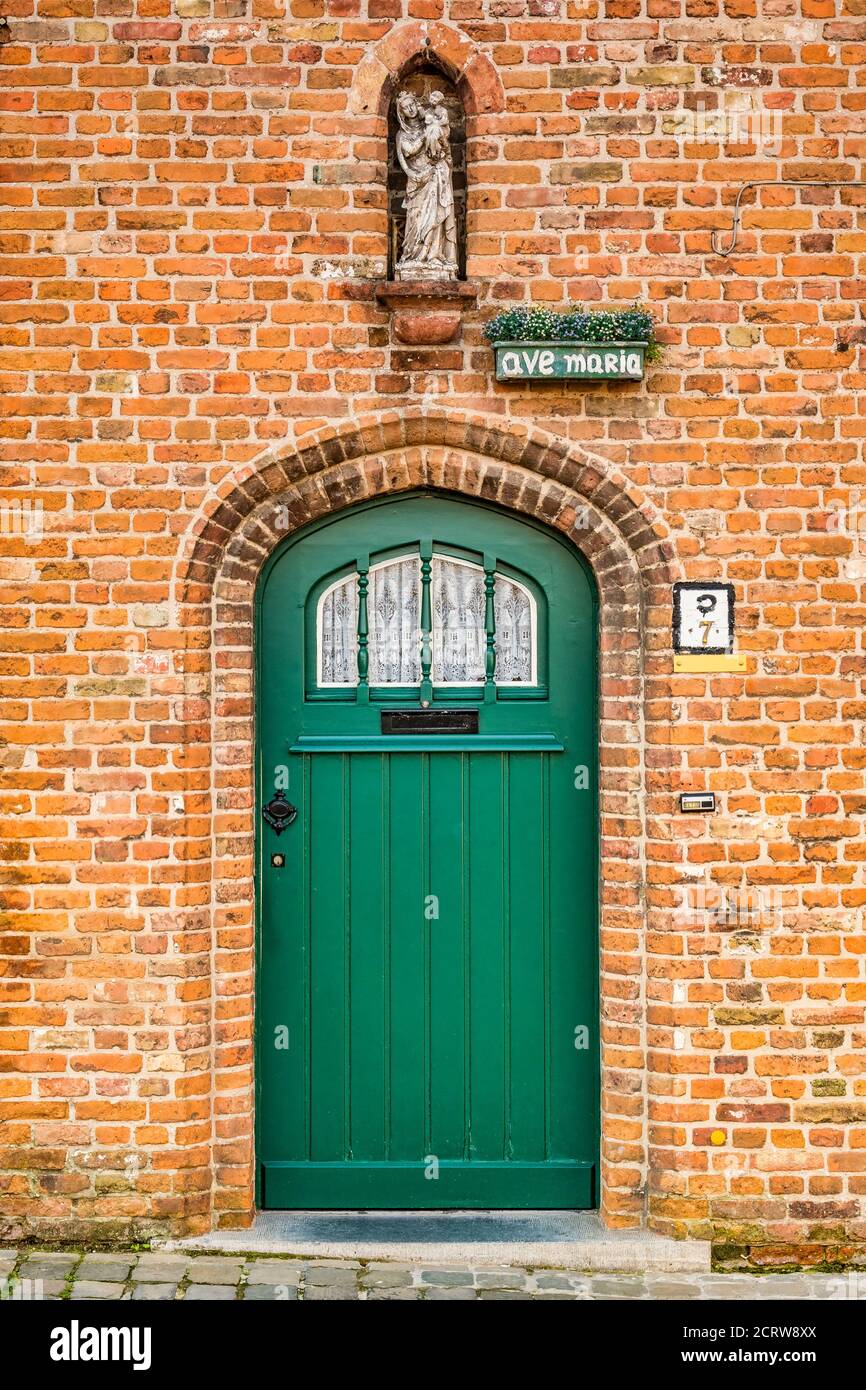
[193,225]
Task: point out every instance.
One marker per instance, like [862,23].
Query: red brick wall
[192,226]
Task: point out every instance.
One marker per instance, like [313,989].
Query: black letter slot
[430,721]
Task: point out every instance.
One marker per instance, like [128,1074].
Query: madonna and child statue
[424,151]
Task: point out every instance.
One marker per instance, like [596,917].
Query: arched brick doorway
[531,474]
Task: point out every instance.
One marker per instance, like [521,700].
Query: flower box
[560,360]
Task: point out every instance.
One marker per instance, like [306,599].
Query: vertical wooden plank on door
[487,984]
[283,1050]
[444,940]
[425,853]
[305,876]
[526,868]
[407,830]
[571,992]
[466,950]
[328,956]
[366,909]
[545,946]
[386,952]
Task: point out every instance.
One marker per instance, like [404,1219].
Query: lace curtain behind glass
[459,638]
[394,616]
[514,635]
[338,641]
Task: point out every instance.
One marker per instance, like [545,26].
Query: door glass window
[388,614]
[459,634]
[338,634]
[394,616]
[515,638]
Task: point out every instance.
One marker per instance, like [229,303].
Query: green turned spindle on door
[490,628]
[363,629]
[426,691]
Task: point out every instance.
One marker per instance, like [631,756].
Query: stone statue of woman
[430,243]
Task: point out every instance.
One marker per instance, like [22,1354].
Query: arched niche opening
[422,78]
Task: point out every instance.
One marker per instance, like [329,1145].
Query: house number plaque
[703,618]
[704,628]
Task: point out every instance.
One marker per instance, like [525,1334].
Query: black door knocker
[279,812]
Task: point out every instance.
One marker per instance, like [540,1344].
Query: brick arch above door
[532,475]
[615,497]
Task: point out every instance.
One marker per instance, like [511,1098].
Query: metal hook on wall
[775,183]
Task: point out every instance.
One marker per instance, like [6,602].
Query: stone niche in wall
[427,291]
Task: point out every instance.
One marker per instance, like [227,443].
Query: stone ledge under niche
[426,312]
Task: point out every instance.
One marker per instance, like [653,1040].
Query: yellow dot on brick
[717,1136]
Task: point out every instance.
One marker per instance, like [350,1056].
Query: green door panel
[394,1184]
[427,955]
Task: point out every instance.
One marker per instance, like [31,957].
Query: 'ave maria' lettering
[532,362]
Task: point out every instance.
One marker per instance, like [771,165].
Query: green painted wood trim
[567,361]
[393,1185]
[426,689]
[363,628]
[490,628]
[440,743]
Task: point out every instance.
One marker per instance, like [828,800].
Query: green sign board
[565,361]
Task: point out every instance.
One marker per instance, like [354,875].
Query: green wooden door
[427,1010]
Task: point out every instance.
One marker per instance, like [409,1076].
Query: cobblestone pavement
[171,1276]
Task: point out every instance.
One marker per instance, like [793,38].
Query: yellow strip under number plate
[694,661]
